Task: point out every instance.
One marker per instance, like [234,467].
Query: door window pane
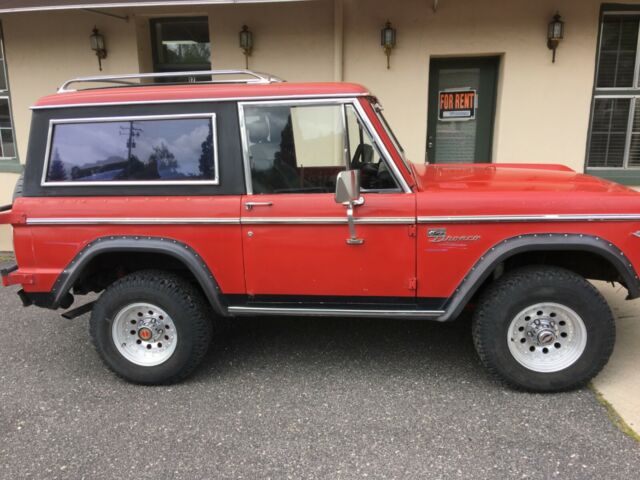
[133,150]
[364,156]
[456,139]
[294,149]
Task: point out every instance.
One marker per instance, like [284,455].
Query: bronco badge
[437,235]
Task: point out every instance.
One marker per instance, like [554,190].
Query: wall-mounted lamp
[97,45]
[555,33]
[388,40]
[246,43]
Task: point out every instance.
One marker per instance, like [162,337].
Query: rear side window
[124,150]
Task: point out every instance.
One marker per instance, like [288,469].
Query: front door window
[301,149]
[295,149]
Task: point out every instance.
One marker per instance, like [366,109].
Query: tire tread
[498,293]
[175,287]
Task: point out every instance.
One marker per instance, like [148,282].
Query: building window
[180,44]
[614,135]
[125,150]
[8,153]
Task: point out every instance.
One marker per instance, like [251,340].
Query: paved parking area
[291,398]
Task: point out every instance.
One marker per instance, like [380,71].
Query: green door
[462,105]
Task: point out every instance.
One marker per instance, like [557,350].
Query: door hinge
[413,230]
[413,283]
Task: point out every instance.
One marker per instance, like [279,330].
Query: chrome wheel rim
[144,334]
[547,337]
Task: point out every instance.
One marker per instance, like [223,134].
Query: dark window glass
[617,61]
[295,149]
[608,132]
[133,150]
[634,145]
[181,44]
[298,149]
[364,156]
[7,141]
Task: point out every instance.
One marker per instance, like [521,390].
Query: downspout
[338,40]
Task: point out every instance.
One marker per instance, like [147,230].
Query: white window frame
[70,121]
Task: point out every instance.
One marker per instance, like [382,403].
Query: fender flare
[178,250]
[538,243]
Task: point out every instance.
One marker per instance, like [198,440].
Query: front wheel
[151,327]
[543,329]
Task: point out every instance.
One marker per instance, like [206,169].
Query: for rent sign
[457,105]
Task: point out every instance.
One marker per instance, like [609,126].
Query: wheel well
[105,268]
[589,265]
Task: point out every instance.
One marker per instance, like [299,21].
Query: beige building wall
[542,108]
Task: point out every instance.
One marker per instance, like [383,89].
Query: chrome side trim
[133,221]
[203,100]
[53,122]
[622,217]
[218,221]
[326,220]
[333,312]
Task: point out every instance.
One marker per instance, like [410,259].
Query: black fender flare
[539,242]
[178,250]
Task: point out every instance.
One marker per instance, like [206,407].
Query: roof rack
[254,78]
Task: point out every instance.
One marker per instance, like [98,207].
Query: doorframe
[454,61]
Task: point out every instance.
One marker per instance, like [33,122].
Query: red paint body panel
[476,190]
[203,92]
[54,246]
[306,258]
[314,259]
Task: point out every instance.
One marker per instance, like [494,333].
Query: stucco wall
[542,111]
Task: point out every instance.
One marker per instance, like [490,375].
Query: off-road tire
[176,296]
[515,291]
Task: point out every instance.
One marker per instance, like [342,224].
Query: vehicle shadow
[323,344]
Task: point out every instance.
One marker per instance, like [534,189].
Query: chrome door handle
[250,205]
[355,203]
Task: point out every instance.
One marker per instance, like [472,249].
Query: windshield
[378,109]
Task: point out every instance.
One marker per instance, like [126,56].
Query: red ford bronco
[244,195]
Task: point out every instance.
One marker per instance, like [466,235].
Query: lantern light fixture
[555,34]
[98,46]
[246,43]
[388,40]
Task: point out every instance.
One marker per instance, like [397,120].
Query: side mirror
[348,186]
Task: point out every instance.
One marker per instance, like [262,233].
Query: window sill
[11,166]
[618,175]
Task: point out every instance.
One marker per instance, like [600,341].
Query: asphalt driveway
[290,398]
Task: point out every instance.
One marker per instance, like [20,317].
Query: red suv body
[296,199]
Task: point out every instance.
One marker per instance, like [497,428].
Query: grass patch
[614,416]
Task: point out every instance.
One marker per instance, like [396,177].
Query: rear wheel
[543,329]
[151,327]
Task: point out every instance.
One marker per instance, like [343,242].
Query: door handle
[250,205]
